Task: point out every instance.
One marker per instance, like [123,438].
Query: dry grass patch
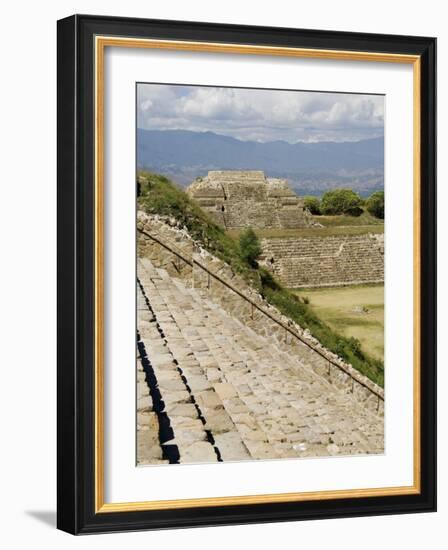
[353,311]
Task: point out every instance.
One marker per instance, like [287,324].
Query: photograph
[246,274]
[260,274]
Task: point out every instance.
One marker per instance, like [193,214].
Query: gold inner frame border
[101,42]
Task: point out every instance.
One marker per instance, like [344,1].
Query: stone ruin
[236,199]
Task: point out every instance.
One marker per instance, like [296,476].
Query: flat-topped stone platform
[240,198]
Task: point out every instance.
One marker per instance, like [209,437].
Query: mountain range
[310,168]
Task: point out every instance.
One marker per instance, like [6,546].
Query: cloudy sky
[261,115]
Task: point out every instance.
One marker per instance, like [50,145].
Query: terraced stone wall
[326,261]
[162,256]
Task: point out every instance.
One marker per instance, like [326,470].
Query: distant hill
[311,168]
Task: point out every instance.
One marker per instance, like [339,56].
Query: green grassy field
[356,311]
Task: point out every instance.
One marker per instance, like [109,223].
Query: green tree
[375,204]
[341,201]
[250,247]
[312,204]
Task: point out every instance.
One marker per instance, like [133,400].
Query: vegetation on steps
[250,247]
[158,195]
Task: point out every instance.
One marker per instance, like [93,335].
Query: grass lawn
[356,311]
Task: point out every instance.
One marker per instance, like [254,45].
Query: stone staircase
[210,389]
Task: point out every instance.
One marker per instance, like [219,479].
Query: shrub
[312,204]
[341,201]
[250,247]
[375,204]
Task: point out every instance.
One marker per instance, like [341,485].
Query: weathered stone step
[193,405]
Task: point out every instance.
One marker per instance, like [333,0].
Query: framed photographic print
[246,274]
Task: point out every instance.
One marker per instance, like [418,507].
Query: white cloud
[263,115]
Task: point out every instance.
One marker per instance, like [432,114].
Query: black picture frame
[76,259]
